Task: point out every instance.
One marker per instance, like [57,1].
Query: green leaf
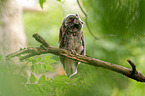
[47,59]
[61,78]
[59,0]
[32,78]
[42,79]
[43,68]
[35,68]
[41,2]
[34,90]
[33,61]
[39,59]
[32,68]
[49,67]
[50,61]
[21,49]
[39,68]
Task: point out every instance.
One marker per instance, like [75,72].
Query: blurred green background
[120,27]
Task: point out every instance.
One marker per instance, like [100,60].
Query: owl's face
[73,22]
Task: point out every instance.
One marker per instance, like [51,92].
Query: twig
[131,73]
[133,66]
[40,40]
[86,20]
[82,8]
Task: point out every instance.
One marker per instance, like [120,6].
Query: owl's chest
[74,42]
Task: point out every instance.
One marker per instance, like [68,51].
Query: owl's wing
[61,37]
[83,44]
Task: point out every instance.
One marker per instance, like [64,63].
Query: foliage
[59,0]
[13,81]
[11,84]
[40,64]
[41,2]
[38,84]
[120,26]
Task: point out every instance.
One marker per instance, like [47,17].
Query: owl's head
[73,23]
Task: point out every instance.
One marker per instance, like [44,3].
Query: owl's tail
[70,66]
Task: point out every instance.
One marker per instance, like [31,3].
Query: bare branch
[131,73]
[40,40]
[133,66]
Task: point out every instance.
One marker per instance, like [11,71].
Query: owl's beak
[75,21]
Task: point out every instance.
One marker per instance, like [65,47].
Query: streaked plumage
[71,38]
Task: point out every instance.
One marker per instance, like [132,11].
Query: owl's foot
[74,52]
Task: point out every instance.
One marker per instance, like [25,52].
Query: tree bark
[12,35]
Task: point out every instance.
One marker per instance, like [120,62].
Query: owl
[71,38]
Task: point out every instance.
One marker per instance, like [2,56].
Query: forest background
[119,26]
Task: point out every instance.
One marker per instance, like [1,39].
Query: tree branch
[133,66]
[131,73]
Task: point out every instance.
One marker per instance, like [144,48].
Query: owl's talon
[73,52]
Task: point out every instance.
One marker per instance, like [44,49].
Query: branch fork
[134,71]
